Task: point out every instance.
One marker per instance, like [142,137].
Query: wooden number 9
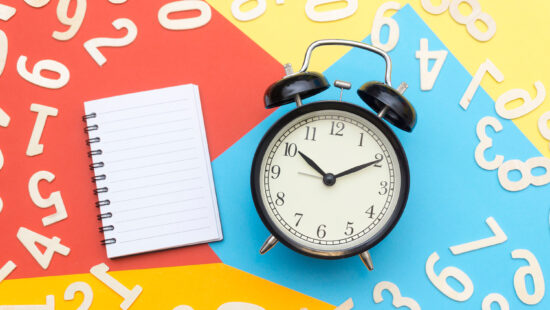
[525,168]
[379,21]
[532,269]
[398,300]
[527,106]
[49,65]
[495,298]
[74,22]
[85,289]
[440,281]
[485,143]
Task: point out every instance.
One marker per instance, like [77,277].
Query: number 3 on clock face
[330,180]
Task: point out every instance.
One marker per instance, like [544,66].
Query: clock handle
[268,244]
[367,260]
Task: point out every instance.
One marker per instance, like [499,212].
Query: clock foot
[367,260]
[268,244]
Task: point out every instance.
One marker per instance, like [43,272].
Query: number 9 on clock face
[330,179]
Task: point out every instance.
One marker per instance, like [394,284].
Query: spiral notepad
[152,171]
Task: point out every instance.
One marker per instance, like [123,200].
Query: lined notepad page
[157,170]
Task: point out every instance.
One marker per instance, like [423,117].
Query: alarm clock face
[330,179]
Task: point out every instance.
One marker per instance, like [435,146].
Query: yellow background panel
[519,48]
[203,287]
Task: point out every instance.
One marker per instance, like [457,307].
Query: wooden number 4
[100,272]
[29,239]
[499,237]
[427,77]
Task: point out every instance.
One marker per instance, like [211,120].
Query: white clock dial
[310,208]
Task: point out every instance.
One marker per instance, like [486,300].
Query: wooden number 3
[398,300]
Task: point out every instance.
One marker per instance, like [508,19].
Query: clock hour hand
[312,163]
[357,168]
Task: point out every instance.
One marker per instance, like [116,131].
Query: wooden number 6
[92,45]
[495,298]
[379,21]
[74,22]
[440,281]
[47,64]
[528,103]
[85,289]
[532,269]
[398,300]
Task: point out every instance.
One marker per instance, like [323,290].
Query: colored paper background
[450,195]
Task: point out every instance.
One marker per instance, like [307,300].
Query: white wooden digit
[85,289]
[427,77]
[254,13]
[73,22]
[6,270]
[6,12]
[347,305]
[100,272]
[35,148]
[544,128]
[92,45]
[430,8]
[332,15]
[1,201]
[37,79]
[495,298]
[498,238]
[50,305]
[186,23]
[532,269]
[3,51]
[440,281]
[478,34]
[54,200]
[117,1]
[486,67]
[4,118]
[239,306]
[398,300]
[1,166]
[29,239]
[485,143]
[37,3]
[527,106]
[458,17]
[379,21]
[525,168]
[183,307]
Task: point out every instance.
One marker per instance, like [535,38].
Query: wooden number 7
[499,237]
[486,67]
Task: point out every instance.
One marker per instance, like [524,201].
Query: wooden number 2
[85,289]
[92,45]
[398,300]
[100,272]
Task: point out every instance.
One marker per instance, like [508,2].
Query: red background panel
[230,69]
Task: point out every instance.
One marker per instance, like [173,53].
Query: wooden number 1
[100,272]
[50,305]
[499,237]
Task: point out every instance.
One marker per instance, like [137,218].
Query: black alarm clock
[330,179]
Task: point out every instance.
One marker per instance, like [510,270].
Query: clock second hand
[310,175]
[313,165]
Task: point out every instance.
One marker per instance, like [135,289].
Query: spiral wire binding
[96,178]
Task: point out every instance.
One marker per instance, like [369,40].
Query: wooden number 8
[525,168]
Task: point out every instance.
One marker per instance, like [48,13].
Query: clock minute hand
[357,168]
[312,163]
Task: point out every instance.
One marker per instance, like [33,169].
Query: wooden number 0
[92,45]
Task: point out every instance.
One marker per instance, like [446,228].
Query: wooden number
[457,15]
[50,305]
[347,305]
[186,23]
[398,300]
[239,306]
[470,20]
[486,67]
[495,298]
[379,21]
[332,15]
[525,168]
[527,106]
[485,143]
[440,281]
[430,8]
[544,128]
[498,238]
[37,3]
[251,14]
[85,289]
[100,272]
[3,51]
[533,269]
[35,148]
[54,200]
[1,201]
[29,239]
[117,1]
[37,79]
[183,307]
[428,78]
[92,45]
[4,118]
[73,22]
[6,270]
[6,12]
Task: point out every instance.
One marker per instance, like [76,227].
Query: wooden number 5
[92,45]
[398,300]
